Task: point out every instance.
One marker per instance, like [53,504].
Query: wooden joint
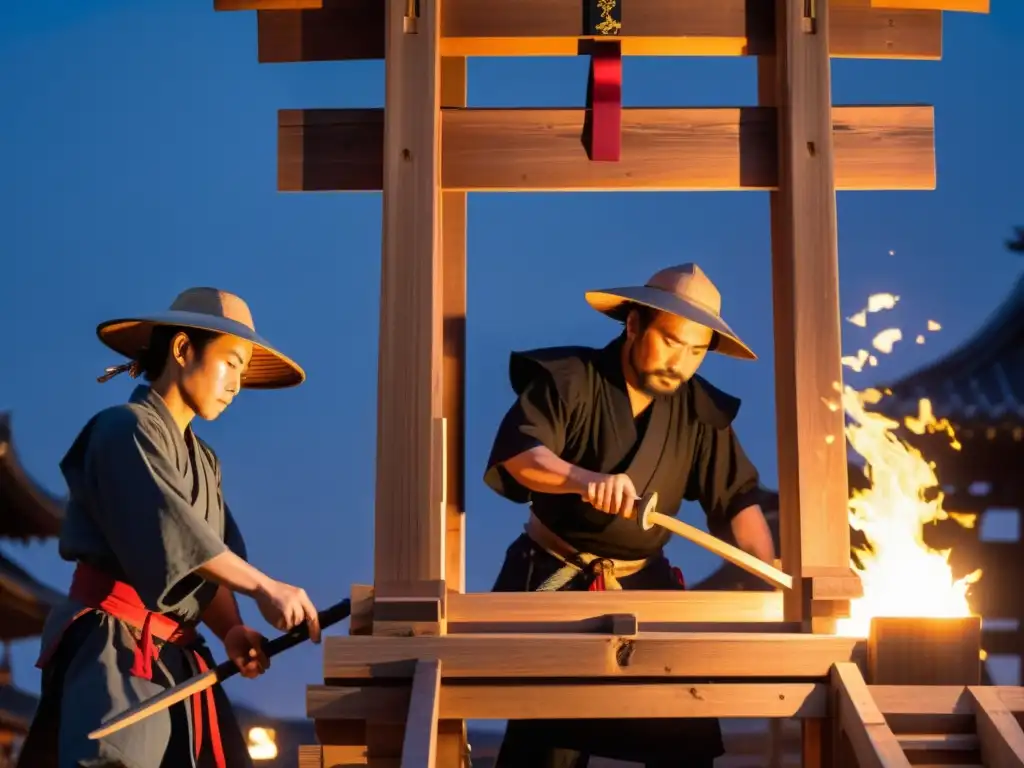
[832,584]
[602,125]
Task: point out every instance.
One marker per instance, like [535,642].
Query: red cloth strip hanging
[603,124]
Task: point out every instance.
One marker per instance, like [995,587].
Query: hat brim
[615,302]
[268,368]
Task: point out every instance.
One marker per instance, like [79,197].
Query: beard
[657,382]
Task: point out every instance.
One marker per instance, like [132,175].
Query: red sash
[100,592]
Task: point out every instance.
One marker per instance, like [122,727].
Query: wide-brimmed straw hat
[207,309]
[682,290]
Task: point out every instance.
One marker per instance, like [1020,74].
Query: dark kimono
[573,400]
[145,510]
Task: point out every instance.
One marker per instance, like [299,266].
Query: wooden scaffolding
[423,656]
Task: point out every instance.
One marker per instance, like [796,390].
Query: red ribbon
[604,102]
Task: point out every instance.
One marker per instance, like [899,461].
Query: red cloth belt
[101,592]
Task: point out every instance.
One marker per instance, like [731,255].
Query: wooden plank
[352,29]
[660,606]
[668,655]
[924,651]
[409,530]
[453,377]
[311,756]
[874,744]
[497,701]
[266,5]
[419,748]
[1002,740]
[969,6]
[502,150]
[342,30]
[813,486]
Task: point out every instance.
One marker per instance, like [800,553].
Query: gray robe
[147,510]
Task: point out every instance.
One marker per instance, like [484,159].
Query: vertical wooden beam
[805,279]
[453,245]
[419,747]
[409,531]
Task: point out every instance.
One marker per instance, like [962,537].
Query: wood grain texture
[813,486]
[409,523]
[874,744]
[877,148]
[704,655]
[546,699]
[353,29]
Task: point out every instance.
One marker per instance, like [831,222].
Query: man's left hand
[244,646]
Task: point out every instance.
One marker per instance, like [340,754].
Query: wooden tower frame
[424,656]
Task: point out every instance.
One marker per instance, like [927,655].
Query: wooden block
[409,526]
[361,620]
[918,651]
[340,30]
[652,606]
[502,150]
[310,756]
[874,744]
[266,5]
[546,700]
[697,655]
[970,6]
[353,29]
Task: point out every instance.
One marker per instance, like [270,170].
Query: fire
[901,574]
[262,744]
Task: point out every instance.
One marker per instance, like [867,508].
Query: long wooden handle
[723,549]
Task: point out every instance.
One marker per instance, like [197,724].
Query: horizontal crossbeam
[971,6]
[335,30]
[504,701]
[521,609]
[648,655]
[524,150]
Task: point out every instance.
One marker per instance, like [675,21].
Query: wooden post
[453,246]
[805,277]
[409,538]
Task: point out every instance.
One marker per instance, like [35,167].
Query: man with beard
[592,431]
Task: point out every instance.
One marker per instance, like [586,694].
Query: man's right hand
[612,494]
[285,607]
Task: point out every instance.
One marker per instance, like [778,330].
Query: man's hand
[285,607]
[612,494]
[244,646]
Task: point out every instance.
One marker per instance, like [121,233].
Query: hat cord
[134,369]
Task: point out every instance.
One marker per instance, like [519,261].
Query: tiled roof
[27,510]
[24,601]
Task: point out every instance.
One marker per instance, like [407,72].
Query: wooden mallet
[647,516]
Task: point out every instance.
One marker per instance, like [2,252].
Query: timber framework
[423,656]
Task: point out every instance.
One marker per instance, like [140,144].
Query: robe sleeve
[723,479]
[144,510]
[233,535]
[538,417]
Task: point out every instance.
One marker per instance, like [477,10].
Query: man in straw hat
[593,430]
[158,551]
